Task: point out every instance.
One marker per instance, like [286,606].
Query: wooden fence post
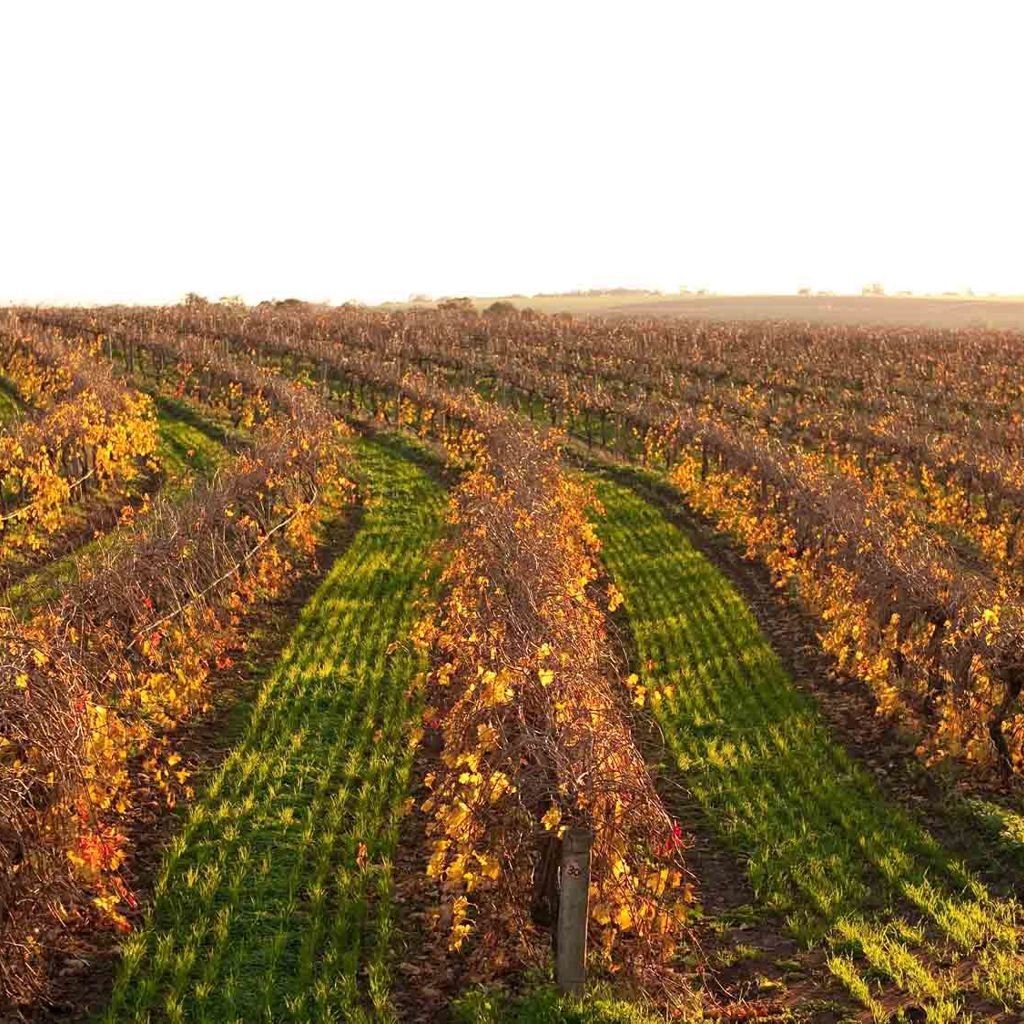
[573,907]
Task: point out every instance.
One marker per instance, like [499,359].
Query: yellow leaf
[551,818]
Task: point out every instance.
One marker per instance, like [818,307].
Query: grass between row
[274,901]
[190,443]
[903,923]
[11,403]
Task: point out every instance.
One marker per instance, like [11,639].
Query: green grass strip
[189,444]
[11,403]
[821,844]
[265,909]
[541,1004]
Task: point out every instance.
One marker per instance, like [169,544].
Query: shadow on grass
[182,411]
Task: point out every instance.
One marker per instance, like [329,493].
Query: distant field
[937,311]
[845,309]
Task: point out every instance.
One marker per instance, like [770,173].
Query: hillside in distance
[1006,313]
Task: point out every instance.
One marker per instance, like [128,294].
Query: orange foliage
[534,721]
[91,433]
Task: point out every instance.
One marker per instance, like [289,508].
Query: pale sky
[375,149]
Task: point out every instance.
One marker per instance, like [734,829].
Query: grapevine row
[93,681]
[89,433]
[533,716]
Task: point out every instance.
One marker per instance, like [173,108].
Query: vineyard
[329,635]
